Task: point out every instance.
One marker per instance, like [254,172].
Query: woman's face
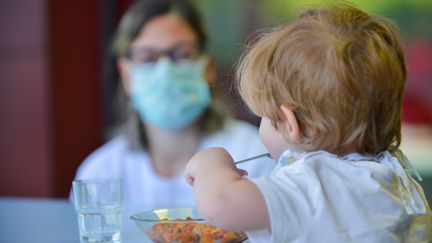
[164,32]
[160,34]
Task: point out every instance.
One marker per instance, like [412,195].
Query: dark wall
[75,86]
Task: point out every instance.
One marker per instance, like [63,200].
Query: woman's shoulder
[236,129]
[238,137]
[108,158]
[235,124]
[113,147]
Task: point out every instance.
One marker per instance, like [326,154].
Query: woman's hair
[342,72]
[143,11]
[138,14]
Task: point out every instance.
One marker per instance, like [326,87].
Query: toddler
[329,87]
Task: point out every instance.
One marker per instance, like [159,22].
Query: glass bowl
[182,225]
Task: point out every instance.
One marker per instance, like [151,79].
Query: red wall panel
[49,93]
[76,86]
[25,159]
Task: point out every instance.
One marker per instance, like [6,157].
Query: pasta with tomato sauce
[192,232]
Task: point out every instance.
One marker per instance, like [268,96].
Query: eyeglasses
[178,53]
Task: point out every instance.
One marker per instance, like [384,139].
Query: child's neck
[342,151]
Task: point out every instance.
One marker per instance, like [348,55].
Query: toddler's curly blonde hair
[341,70]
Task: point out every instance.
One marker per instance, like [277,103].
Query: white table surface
[31,220]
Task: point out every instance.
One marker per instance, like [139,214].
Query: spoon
[254,157]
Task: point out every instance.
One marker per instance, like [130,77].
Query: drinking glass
[98,203]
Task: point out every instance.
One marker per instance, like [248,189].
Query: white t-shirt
[144,189]
[320,197]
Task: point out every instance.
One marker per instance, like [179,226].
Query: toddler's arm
[222,196]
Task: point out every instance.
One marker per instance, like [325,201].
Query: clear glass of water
[98,203]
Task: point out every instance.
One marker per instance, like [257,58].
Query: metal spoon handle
[252,158]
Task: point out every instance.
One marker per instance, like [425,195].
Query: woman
[167,77]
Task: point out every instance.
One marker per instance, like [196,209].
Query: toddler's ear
[291,125]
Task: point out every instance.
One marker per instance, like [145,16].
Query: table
[31,220]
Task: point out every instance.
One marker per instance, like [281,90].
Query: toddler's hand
[209,160]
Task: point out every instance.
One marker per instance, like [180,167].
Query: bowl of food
[182,225]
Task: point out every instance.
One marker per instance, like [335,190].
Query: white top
[144,189]
[320,197]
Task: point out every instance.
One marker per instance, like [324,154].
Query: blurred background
[53,80]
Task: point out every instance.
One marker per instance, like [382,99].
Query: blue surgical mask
[170,95]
